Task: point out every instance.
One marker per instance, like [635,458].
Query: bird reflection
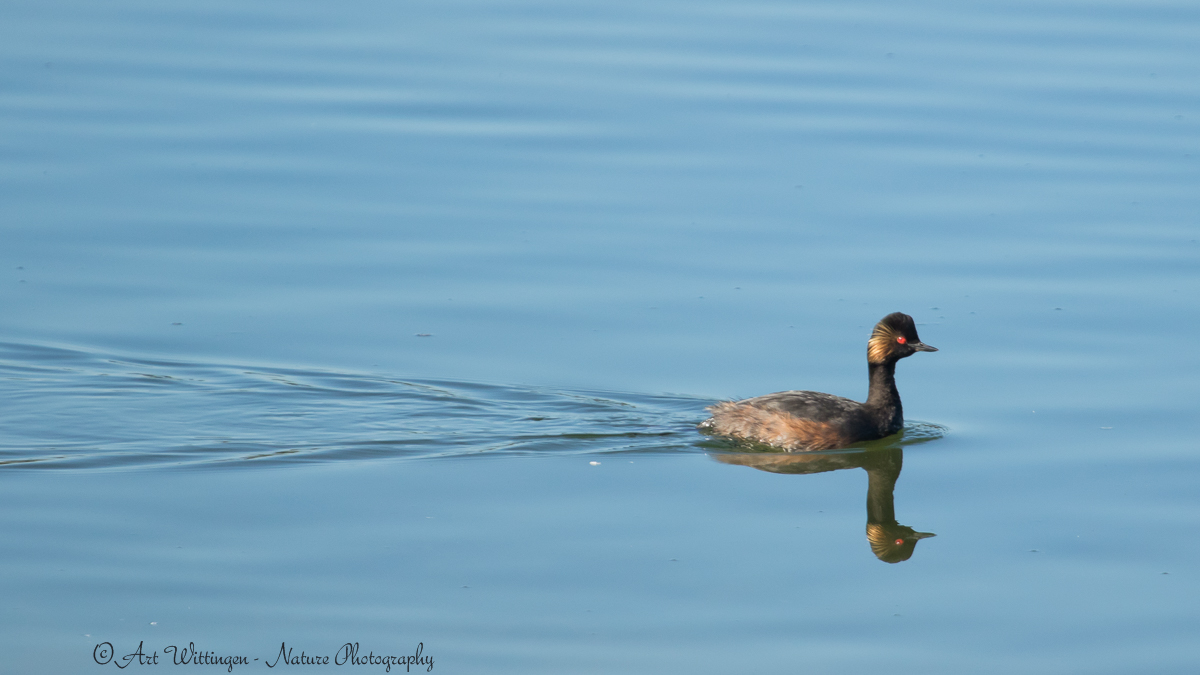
[890,541]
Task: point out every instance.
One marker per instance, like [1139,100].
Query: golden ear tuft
[880,344]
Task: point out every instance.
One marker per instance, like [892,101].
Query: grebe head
[894,543]
[895,337]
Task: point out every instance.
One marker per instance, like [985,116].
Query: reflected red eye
[899,541]
[901,340]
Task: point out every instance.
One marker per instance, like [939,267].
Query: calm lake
[389,324]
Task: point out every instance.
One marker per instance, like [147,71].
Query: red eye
[901,340]
[899,541]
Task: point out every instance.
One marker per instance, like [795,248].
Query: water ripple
[77,409]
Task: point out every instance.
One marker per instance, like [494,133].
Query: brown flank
[773,428]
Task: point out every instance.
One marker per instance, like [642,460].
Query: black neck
[883,400]
[882,472]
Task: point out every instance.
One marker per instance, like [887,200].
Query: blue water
[391,323]
[61,414]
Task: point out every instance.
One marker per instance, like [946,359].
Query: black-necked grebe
[809,420]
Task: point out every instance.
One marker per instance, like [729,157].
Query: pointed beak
[922,347]
[920,535]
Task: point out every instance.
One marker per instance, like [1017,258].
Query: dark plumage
[809,420]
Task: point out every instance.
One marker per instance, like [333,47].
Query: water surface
[391,323]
